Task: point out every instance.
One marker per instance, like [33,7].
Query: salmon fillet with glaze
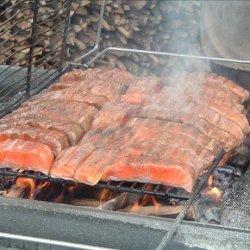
[101,73]
[27,155]
[69,160]
[55,140]
[140,139]
[163,138]
[141,90]
[81,114]
[72,131]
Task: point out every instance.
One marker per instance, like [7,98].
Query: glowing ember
[210,180]
[215,193]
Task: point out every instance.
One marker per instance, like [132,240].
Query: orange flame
[215,193]
[105,195]
[27,183]
[147,200]
[210,180]
[60,197]
[135,207]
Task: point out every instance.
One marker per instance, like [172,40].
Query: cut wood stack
[16,32]
[132,24]
[150,25]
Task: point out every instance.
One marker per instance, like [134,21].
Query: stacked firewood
[18,32]
[132,24]
[145,24]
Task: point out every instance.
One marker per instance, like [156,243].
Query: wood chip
[137,4]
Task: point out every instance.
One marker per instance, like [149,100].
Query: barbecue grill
[20,83]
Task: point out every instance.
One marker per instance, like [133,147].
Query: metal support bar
[98,36]
[118,186]
[169,235]
[158,53]
[149,52]
[65,35]
[32,46]
[50,242]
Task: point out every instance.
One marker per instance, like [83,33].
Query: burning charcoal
[241,159]
[215,179]
[212,215]
[247,141]
[221,176]
[225,185]
[229,170]
[121,201]
[6,182]
[226,195]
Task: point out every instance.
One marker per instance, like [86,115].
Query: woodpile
[16,19]
[132,24]
[145,24]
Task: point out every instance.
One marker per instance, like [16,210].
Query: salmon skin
[110,125]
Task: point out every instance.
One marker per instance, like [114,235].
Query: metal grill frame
[85,61]
[33,78]
[118,186]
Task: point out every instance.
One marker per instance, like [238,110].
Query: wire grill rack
[40,72]
[119,186]
[31,57]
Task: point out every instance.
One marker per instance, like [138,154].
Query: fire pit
[104,215]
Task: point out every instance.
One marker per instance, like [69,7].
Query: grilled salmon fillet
[105,124]
[27,155]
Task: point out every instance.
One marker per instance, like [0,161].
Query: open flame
[80,195]
[210,180]
[105,194]
[213,192]
[27,184]
[147,200]
[23,188]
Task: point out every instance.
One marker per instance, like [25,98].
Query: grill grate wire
[18,83]
[119,186]
[31,63]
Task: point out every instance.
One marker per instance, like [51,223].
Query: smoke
[225,31]
[182,21]
[181,89]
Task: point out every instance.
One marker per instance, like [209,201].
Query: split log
[151,25]
[16,192]
[166,211]
[85,202]
[121,201]
[6,182]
